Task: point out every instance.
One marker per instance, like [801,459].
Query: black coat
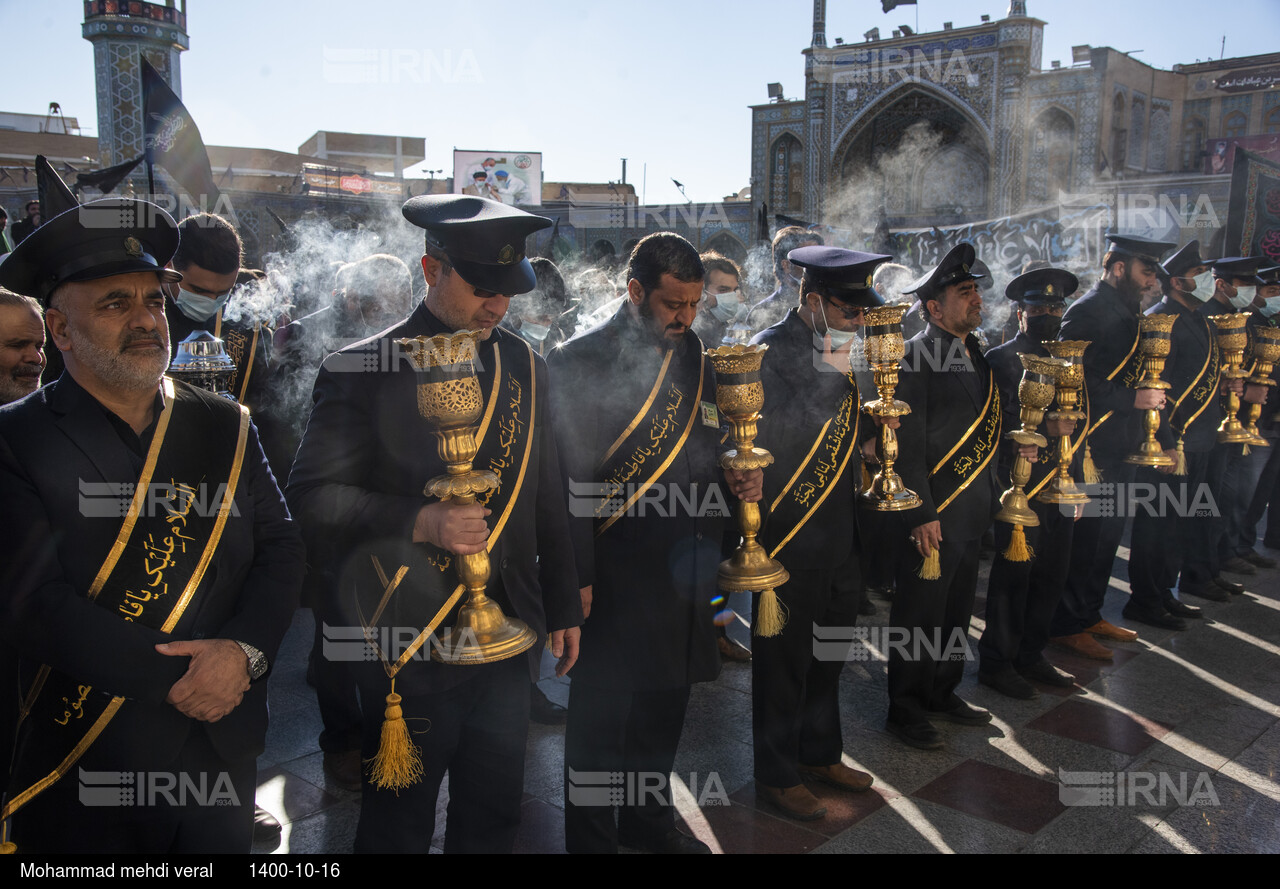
[1109,322]
[52,441]
[367,454]
[654,570]
[801,393]
[945,381]
[1192,341]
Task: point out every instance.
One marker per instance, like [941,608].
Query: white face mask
[726,306]
[200,308]
[535,333]
[1204,285]
[839,338]
[1243,298]
[1272,306]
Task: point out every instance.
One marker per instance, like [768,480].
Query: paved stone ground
[1197,709]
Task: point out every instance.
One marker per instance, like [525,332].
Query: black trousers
[795,705]
[931,610]
[1093,550]
[619,749]
[157,818]
[1023,596]
[475,733]
[336,689]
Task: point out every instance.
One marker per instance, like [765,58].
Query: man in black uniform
[1107,318]
[143,642]
[1235,286]
[1022,596]
[946,445]
[638,429]
[1267,314]
[1164,546]
[810,423]
[357,482]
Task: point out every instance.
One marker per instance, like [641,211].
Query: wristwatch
[257,660]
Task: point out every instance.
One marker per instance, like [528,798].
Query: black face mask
[1043,327]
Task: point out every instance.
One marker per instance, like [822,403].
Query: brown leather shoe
[1111,631]
[794,802]
[732,650]
[839,776]
[1084,645]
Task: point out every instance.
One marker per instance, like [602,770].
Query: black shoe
[1205,589]
[1256,558]
[1181,609]
[922,735]
[673,842]
[545,711]
[1237,565]
[963,714]
[1230,586]
[1152,618]
[1009,684]
[266,829]
[344,769]
[1043,671]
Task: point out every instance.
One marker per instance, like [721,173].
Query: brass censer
[1232,338]
[1266,352]
[1154,332]
[1068,380]
[740,396]
[884,347]
[449,398]
[1035,394]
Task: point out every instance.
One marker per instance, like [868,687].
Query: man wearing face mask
[810,423]
[1107,318]
[1235,282]
[1167,545]
[721,299]
[1022,596]
[209,259]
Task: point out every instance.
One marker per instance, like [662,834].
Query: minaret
[1017,9]
[819,23]
[119,36]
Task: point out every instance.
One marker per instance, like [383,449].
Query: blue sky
[586,83]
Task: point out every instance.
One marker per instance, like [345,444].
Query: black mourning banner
[55,197]
[172,139]
[1253,215]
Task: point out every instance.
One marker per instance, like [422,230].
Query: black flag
[55,197]
[106,179]
[172,139]
[887,5]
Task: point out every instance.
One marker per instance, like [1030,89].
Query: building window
[1119,135]
[1234,125]
[1193,133]
[1272,123]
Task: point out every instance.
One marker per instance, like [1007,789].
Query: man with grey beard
[155,571]
[21,345]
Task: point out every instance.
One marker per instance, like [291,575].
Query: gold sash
[818,473]
[972,452]
[655,436]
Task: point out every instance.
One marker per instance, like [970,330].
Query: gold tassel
[399,761]
[771,616]
[1244,452]
[1017,550]
[1180,461]
[8,848]
[931,567]
[1090,472]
